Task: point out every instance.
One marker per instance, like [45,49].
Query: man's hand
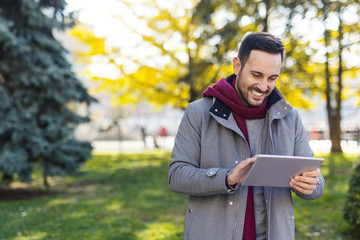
[306,182]
[238,173]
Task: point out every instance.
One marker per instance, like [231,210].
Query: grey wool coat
[208,144]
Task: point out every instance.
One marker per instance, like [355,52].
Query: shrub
[352,205]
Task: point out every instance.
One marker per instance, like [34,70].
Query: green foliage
[36,86]
[197,41]
[191,45]
[352,204]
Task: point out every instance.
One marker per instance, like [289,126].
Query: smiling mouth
[256,93]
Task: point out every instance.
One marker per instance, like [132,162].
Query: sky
[103,17]
[100,15]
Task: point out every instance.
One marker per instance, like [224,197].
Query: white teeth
[257,93]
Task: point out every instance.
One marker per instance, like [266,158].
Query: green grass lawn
[322,218]
[126,197]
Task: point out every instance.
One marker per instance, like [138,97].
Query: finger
[301,190]
[246,163]
[302,186]
[246,169]
[308,180]
[252,159]
[314,174]
[241,170]
[305,185]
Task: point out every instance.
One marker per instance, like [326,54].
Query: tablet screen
[277,170]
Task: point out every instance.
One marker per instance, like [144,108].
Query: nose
[263,85]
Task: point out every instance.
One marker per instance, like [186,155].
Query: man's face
[258,77]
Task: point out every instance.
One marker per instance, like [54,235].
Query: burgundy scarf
[227,94]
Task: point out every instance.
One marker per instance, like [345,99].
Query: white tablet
[277,170]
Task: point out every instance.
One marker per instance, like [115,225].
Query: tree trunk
[266,18]
[335,132]
[45,175]
[336,120]
[191,80]
[333,112]
[7,178]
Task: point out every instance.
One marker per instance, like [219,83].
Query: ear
[236,65]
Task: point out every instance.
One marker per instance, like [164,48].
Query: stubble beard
[249,89]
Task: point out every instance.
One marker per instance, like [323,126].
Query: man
[217,142]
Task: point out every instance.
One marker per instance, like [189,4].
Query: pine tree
[37,88]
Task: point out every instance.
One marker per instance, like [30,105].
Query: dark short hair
[260,41]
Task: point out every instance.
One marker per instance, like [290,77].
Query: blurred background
[145,60]
[92,93]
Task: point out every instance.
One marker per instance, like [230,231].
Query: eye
[256,75]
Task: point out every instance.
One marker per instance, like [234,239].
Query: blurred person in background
[218,140]
[143,134]
[163,134]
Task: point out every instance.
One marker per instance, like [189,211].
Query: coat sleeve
[302,148]
[185,174]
